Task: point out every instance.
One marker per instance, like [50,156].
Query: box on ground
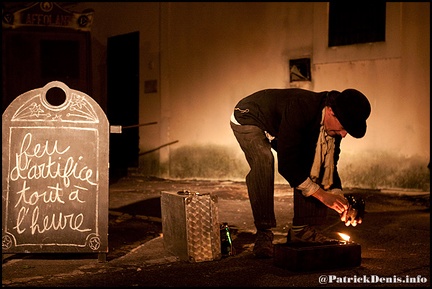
[308,257]
[190,225]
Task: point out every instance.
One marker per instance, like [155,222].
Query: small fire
[345,237]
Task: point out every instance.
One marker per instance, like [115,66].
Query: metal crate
[190,225]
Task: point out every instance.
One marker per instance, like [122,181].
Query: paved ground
[394,240]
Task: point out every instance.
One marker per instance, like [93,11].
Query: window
[300,69]
[356,22]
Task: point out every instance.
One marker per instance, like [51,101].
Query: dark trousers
[260,182]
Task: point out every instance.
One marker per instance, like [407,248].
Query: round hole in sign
[55,96]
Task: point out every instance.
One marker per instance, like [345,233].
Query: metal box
[307,257]
[190,225]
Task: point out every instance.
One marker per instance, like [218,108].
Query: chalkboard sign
[55,173]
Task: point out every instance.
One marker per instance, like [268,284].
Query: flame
[345,237]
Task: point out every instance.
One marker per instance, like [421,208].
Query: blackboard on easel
[55,159]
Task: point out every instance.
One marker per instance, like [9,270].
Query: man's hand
[354,215]
[348,220]
[334,201]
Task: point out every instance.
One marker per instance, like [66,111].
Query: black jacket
[293,116]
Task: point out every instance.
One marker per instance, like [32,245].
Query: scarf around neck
[324,157]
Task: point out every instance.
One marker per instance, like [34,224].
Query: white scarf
[324,155]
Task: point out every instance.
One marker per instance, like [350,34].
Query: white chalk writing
[59,222]
[27,167]
[45,176]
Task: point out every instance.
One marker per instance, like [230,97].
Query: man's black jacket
[293,116]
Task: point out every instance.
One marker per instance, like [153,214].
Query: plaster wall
[206,56]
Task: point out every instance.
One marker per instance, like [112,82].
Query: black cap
[352,108]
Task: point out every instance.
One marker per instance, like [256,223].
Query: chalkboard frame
[55,162]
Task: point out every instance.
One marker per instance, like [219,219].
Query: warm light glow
[345,237]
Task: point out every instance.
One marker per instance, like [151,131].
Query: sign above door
[47,14]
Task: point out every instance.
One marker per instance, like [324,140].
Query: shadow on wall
[149,165]
[369,170]
[206,162]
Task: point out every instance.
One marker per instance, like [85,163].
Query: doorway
[33,57]
[123,102]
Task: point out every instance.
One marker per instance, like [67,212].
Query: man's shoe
[263,247]
[309,235]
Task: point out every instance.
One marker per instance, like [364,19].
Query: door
[33,57]
[123,101]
